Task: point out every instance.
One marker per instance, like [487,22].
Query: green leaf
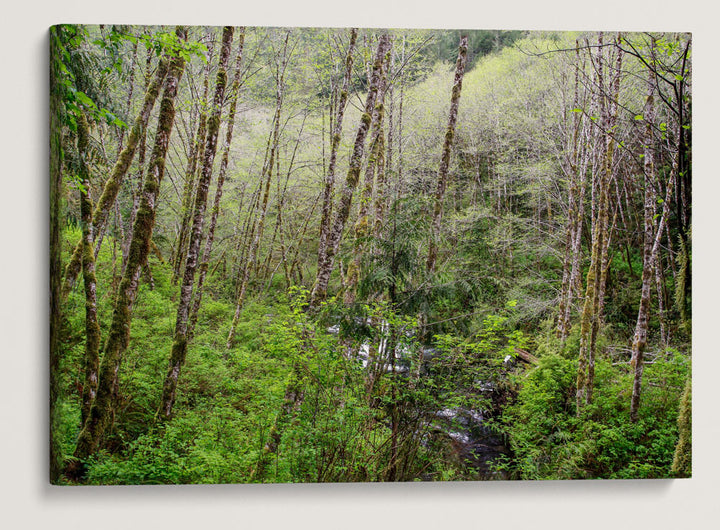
[85,100]
[639,117]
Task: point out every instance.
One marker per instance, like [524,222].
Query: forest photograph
[313,254]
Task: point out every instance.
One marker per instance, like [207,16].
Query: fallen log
[526,356]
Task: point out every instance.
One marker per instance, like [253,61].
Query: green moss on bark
[100,416]
[682,460]
[120,169]
[179,349]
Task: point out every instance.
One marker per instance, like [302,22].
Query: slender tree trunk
[380,184]
[242,236]
[319,290]
[279,230]
[653,234]
[591,314]
[605,226]
[280,204]
[300,238]
[442,177]
[281,192]
[364,226]
[119,335]
[114,181]
[180,340]
[577,166]
[205,263]
[131,88]
[136,188]
[197,153]
[265,177]
[92,328]
[401,161]
[336,133]
[660,289]
[381,195]
[641,328]
[236,228]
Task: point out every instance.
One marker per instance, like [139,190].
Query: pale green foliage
[293,376]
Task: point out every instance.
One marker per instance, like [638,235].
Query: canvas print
[368,255]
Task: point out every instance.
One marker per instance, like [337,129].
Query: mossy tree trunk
[205,261]
[180,339]
[131,89]
[92,328]
[682,459]
[364,225]
[641,327]
[197,153]
[335,136]
[319,291]
[381,191]
[102,408]
[596,275]
[120,169]
[136,185]
[442,176]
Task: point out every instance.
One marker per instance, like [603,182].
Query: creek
[470,439]
[473,441]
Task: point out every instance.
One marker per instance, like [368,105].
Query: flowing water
[471,440]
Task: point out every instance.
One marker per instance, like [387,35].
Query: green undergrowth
[550,440]
[292,402]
